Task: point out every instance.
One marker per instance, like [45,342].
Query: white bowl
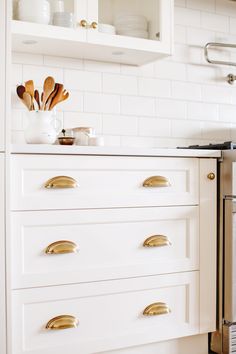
[132,26]
[135,33]
[105,28]
[37,11]
[129,18]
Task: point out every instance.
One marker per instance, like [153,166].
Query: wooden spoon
[48,87]
[27,100]
[29,88]
[20,91]
[36,97]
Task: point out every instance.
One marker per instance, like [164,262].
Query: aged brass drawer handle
[156,182]
[61,182]
[156,309]
[62,247]
[157,241]
[62,322]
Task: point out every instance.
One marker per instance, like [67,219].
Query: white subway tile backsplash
[154,87]
[176,101]
[83,80]
[203,111]
[154,127]
[101,103]
[82,119]
[170,70]
[187,17]
[120,84]
[215,22]
[39,74]
[120,125]
[16,75]
[228,113]
[186,91]
[138,106]
[216,94]
[203,5]
[186,129]
[169,108]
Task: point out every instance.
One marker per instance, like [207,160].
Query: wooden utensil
[61,96]
[27,100]
[36,97]
[20,91]
[51,97]
[48,87]
[29,88]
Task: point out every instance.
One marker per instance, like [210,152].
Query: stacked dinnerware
[131,25]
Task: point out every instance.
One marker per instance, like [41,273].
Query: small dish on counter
[66,137]
[66,140]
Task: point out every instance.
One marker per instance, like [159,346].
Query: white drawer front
[110,244]
[110,314]
[102,181]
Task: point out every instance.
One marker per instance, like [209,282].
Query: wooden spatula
[48,87]
[20,91]
[51,97]
[61,96]
[37,98]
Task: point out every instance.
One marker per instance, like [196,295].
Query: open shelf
[30,37]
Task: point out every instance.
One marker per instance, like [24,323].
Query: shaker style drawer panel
[44,182]
[61,247]
[93,317]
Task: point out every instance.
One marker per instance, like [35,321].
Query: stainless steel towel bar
[230,78]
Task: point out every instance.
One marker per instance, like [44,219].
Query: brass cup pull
[61,182]
[156,309]
[156,182]
[62,247]
[211,176]
[94,25]
[83,23]
[157,241]
[62,322]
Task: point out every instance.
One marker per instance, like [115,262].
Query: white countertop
[106,150]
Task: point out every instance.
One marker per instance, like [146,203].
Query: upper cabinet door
[2,73]
[150,32]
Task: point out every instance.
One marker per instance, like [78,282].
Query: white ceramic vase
[37,11]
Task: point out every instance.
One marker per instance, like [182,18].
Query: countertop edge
[111,151]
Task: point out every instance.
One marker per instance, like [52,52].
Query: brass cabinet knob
[157,241]
[62,247]
[156,182]
[61,182]
[156,309]
[211,176]
[83,23]
[62,322]
[94,25]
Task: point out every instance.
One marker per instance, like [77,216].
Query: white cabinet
[87,40]
[3,59]
[2,261]
[105,315]
[107,238]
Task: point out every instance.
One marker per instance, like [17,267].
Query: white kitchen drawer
[110,244]
[109,314]
[102,181]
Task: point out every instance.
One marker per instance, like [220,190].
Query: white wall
[176,101]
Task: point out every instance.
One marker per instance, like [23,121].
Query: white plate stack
[131,25]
